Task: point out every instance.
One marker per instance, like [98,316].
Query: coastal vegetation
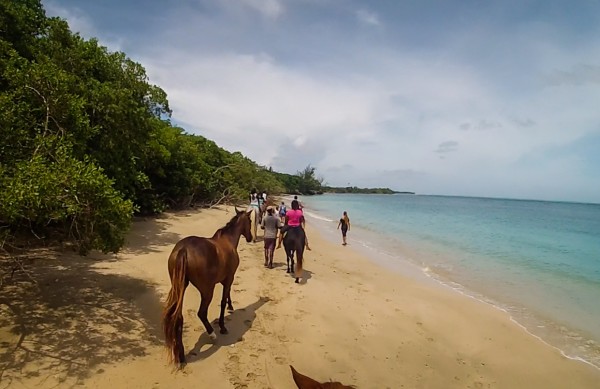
[86,142]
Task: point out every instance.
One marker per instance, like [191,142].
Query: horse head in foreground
[204,262]
[304,382]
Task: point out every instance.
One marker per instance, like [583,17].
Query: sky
[468,98]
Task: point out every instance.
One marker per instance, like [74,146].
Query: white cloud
[80,22]
[250,102]
[368,17]
[383,106]
[77,19]
[270,8]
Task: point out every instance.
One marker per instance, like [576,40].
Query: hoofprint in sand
[94,322]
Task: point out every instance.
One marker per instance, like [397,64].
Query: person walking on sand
[299,202]
[345,225]
[282,211]
[271,224]
[254,205]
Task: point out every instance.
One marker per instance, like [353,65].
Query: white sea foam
[317,216]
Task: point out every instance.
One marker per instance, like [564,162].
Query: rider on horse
[294,218]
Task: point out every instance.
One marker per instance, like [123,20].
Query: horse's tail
[174,306]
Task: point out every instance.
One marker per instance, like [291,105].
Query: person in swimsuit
[345,225]
[282,211]
[254,204]
[254,200]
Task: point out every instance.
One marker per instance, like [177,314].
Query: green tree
[308,183]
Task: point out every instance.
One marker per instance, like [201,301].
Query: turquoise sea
[537,260]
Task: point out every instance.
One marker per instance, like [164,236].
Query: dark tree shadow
[73,319]
[147,237]
[237,322]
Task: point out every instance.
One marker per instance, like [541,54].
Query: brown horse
[204,262]
[304,382]
[293,243]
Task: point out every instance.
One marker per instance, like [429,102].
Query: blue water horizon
[539,260]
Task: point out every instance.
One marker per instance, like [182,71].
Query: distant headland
[354,189]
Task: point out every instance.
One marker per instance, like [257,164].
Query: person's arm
[302,221]
[339,224]
[348,224]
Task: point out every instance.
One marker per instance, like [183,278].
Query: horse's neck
[232,236]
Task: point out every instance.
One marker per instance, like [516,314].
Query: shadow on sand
[237,322]
[73,319]
[307,275]
[145,238]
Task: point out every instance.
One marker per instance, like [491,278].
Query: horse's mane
[230,224]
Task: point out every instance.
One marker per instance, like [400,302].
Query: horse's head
[245,222]
[304,382]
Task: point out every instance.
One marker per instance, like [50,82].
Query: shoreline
[352,321]
[572,343]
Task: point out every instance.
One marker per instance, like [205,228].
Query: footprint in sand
[248,323]
[280,360]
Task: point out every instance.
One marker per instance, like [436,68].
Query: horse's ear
[237,212]
[302,381]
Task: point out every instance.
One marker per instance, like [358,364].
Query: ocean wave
[317,216]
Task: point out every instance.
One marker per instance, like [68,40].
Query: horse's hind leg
[206,298]
[179,341]
[224,300]
[289,258]
[229,305]
[292,260]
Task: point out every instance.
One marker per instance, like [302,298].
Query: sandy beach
[94,322]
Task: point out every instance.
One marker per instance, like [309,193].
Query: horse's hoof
[212,335]
[224,331]
[297,281]
[181,365]
[288,270]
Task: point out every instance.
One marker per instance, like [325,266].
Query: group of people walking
[278,220]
